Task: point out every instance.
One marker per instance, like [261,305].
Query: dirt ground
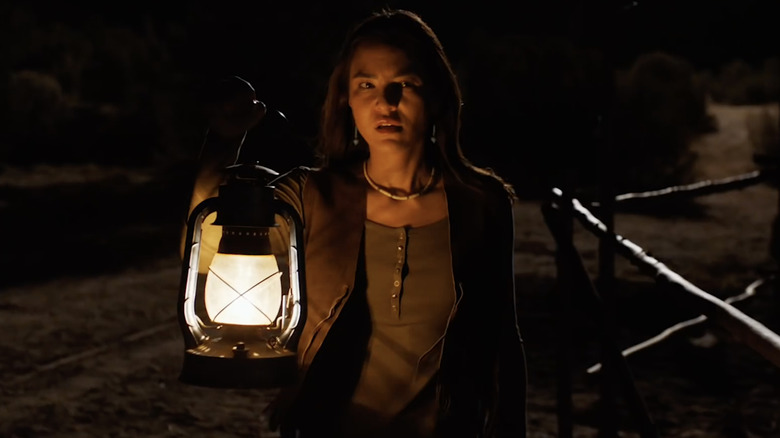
[91,348]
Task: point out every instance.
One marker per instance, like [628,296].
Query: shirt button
[400,247]
[396,283]
[394,296]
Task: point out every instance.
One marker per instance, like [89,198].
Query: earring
[355,137]
[433,135]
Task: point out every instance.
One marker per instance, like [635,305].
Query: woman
[411,326]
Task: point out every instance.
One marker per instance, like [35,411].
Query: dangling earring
[355,137]
[433,135]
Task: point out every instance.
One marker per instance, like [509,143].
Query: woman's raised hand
[232,109]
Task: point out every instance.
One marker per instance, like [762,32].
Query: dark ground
[92,349]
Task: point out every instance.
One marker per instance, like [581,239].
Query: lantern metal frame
[242,356]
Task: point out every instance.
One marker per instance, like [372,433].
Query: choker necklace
[396,197]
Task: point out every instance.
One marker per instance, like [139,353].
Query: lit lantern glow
[243,289]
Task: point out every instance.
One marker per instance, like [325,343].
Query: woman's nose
[391,95]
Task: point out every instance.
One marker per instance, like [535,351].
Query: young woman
[411,326]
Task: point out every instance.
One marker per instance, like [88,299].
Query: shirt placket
[395,294]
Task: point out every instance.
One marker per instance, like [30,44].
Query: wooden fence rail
[742,327]
[699,188]
[559,214]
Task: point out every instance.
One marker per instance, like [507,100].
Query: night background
[124,82]
[102,117]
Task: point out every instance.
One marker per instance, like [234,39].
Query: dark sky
[261,38]
[285,48]
[708,32]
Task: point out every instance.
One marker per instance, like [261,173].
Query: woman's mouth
[388,127]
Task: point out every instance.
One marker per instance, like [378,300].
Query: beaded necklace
[396,197]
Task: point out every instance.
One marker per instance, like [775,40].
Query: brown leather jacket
[481,386]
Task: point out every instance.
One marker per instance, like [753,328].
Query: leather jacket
[481,386]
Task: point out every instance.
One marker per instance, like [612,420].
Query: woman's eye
[365,85]
[409,84]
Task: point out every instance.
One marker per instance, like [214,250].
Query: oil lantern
[241,306]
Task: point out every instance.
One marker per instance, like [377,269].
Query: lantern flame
[253,295]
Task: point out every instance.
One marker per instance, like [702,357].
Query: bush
[530,108]
[37,111]
[542,112]
[661,107]
[762,126]
[739,83]
[92,92]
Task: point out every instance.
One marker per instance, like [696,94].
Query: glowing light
[243,289]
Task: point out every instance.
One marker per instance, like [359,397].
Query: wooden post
[605,282]
[614,16]
[774,243]
[560,220]
[572,277]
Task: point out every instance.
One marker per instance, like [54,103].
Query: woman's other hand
[232,109]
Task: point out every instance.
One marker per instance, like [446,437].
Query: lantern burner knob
[240,351]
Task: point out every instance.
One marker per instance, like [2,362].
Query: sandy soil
[91,347]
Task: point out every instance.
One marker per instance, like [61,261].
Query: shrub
[37,110]
[762,126]
[739,83]
[660,108]
[530,107]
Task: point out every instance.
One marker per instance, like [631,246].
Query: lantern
[241,306]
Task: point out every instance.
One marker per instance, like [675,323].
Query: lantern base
[216,366]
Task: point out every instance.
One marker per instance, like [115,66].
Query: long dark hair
[406,31]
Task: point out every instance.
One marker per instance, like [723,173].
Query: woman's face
[386,97]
